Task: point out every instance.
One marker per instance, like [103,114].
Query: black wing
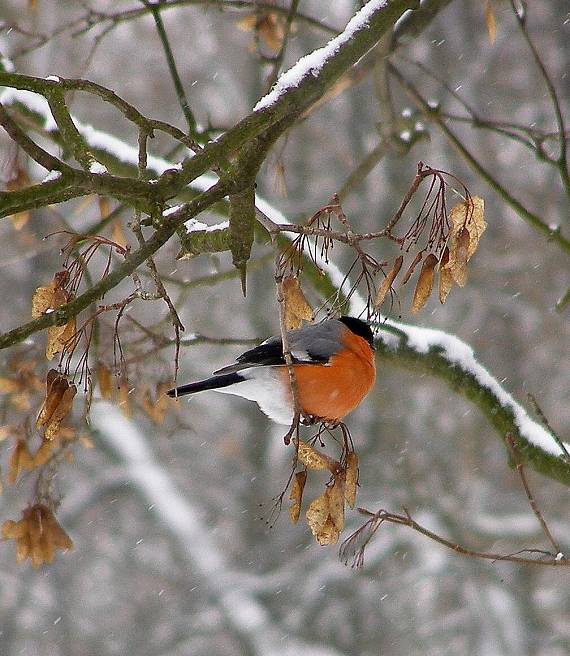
[313,344]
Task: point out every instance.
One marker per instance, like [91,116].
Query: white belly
[265,387]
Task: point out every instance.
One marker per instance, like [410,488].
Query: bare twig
[433,115]
[294,429]
[562,157]
[180,93]
[352,549]
[510,440]
[278,59]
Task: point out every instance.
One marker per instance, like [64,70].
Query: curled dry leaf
[57,404]
[118,234]
[269,26]
[105,380]
[467,227]
[37,535]
[20,181]
[314,460]
[388,281]
[445,277]
[325,515]
[155,406]
[21,460]
[319,521]
[335,494]
[297,309]
[296,495]
[351,479]
[44,453]
[425,283]
[47,299]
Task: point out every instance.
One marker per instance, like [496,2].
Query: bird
[334,370]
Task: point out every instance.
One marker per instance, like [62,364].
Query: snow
[52,175]
[312,63]
[53,78]
[7,64]
[194,226]
[171,210]
[97,168]
[33,101]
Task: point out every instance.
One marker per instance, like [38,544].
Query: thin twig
[278,59]
[510,440]
[294,429]
[180,93]
[562,157]
[353,547]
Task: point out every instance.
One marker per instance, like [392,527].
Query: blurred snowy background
[172,553]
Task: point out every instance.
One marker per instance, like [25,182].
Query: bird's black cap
[360,328]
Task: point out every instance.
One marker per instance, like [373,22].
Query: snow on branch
[312,63]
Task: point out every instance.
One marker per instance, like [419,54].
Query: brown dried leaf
[248,23]
[20,181]
[491,22]
[468,225]
[60,339]
[47,299]
[105,380]
[445,277]
[269,27]
[156,407]
[57,404]
[335,494]
[475,224]
[20,460]
[43,300]
[296,495]
[458,258]
[271,30]
[104,206]
[23,548]
[314,460]
[43,454]
[8,386]
[351,480]
[328,534]
[12,530]
[388,281]
[297,309]
[318,513]
[37,535]
[425,283]
[118,234]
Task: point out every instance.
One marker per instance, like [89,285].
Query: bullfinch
[334,369]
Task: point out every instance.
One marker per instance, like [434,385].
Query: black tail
[210,383]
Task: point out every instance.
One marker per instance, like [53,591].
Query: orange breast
[330,392]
